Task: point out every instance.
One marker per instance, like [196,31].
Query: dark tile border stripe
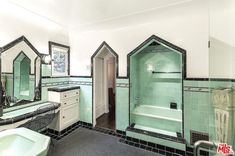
[178,139]
[209,79]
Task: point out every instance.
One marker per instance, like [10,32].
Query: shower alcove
[156,72]
[22,77]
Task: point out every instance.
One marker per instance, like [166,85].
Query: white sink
[23,142]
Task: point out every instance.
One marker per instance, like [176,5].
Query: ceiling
[74,13]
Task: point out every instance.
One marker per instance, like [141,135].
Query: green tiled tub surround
[23,88]
[155,83]
[161,118]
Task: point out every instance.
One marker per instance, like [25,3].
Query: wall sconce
[150,67]
[46,59]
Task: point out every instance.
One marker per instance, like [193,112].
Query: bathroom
[114,78]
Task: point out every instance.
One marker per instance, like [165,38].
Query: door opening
[104,79]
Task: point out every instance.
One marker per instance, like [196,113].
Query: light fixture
[150,67]
[46,59]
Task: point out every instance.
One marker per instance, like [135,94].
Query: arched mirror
[20,73]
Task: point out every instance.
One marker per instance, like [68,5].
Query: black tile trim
[18,40]
[27,115]
[80,76]
[179,139]
[196,79]
[209,79]
[153,147]
[156,148]
[59,135]
[63,89]
[86,125]
[53,77]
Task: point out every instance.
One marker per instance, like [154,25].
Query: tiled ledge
[196,89]
[178,139]
[27,115]
[63,88]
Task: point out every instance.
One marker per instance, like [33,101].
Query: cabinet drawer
[69,101]
[69,115]
[68,94]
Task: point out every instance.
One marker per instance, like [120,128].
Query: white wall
[16,21]
[222,33]
[185,26]
[9,55]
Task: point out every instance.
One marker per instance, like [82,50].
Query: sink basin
[23,142]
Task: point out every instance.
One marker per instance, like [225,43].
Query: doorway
[104,87]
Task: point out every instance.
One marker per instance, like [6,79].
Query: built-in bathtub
[159,119]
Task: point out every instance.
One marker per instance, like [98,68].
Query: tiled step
[158,123]
[157,136]
[155,130]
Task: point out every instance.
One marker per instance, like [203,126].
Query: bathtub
[164,119]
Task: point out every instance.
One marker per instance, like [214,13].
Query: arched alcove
[156,72]
[22,77]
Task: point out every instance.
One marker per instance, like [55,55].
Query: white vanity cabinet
[69,110]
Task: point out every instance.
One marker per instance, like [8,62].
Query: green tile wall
[122,105]
[46,70]
[198,108]
[156,89]
[85,98]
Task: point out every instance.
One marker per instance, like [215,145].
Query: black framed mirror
[20,73]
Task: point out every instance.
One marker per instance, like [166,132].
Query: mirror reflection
[20,73]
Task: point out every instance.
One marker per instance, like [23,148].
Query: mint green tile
[85,104]
[122,108]
[122,80]
[46,70]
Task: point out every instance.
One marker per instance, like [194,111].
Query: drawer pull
[76,99]
[76,92]
[63,117]
[65,95]
[65,103]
